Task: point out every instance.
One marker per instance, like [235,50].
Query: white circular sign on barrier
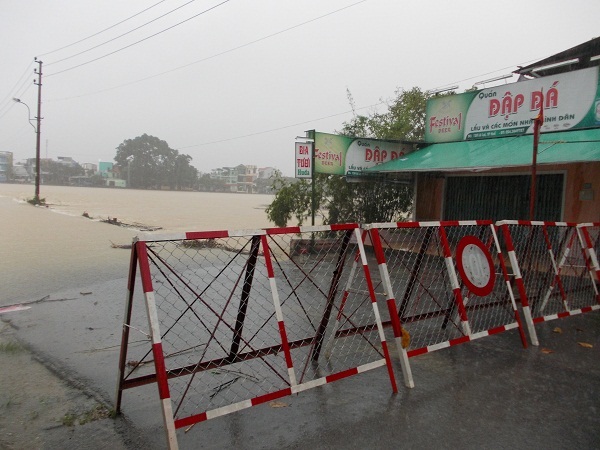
[475,266]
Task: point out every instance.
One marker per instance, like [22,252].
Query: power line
[141,40]
[14,91]
[247,44]
[102,31]
[280,128]
[121,35]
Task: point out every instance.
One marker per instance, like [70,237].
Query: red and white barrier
[590,241]
[552,269]
[240,318]
[445,283]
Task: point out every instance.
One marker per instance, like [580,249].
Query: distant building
[107,172]
[90,169]
[6,162]
[264,173]
[20,174]
[67,161]
[241,178]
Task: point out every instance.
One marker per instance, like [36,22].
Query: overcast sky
[239,80]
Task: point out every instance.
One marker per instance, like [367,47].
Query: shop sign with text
[569,100]
[343,155]
[303,159]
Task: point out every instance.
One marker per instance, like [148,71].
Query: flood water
[170,210]
[47,250]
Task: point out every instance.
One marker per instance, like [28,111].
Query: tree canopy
[148,162]
[336,199]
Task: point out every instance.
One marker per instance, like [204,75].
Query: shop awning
[553,148]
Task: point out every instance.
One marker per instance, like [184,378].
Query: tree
[208,184]
[338,200]
[59,173]
[148,162]
[293,198]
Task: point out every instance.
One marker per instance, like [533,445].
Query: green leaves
[148,162]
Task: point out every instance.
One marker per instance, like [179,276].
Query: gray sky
[238,82]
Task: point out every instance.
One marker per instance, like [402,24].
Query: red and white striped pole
[157,351]
[278,313]
[391,304]
[454,282]
[519,282]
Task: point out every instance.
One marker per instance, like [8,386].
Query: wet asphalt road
[490,393]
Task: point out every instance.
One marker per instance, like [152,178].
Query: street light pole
[38,133]
[36,198]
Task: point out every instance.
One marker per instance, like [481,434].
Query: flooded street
[45,250]
[172,210]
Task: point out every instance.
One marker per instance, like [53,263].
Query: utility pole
[38,71]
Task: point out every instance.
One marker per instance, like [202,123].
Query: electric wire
[141,40]
[247,44]
[102,31]
[121,35]
[14,92]
[279,128]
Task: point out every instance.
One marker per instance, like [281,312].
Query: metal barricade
[445,283]
[240,318]
[552,271]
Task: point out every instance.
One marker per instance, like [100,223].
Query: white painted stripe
[430,224]
[378,322]
[292,376]
[585,225]
[511,295]
[308,385]
[451,273]
[468,222]
[515,265]
[361,248]
[530,326]
[382,225]
[479,335]
[315,228]
[594,258]
[371,366]
[152,317]
[564,257]
[466,327]
[495,235]
[169,424]
[377,316]
[553,259]
[228,409]
[551,317]
[276,302]
[154,237]
[441,345]
[249,232]
[385,275]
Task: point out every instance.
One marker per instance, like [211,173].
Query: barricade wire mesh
[427,301]
[244,318]
[326,303]
[553,267]
[590,235]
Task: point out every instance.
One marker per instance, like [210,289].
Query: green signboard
[343,155]
[570,101]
